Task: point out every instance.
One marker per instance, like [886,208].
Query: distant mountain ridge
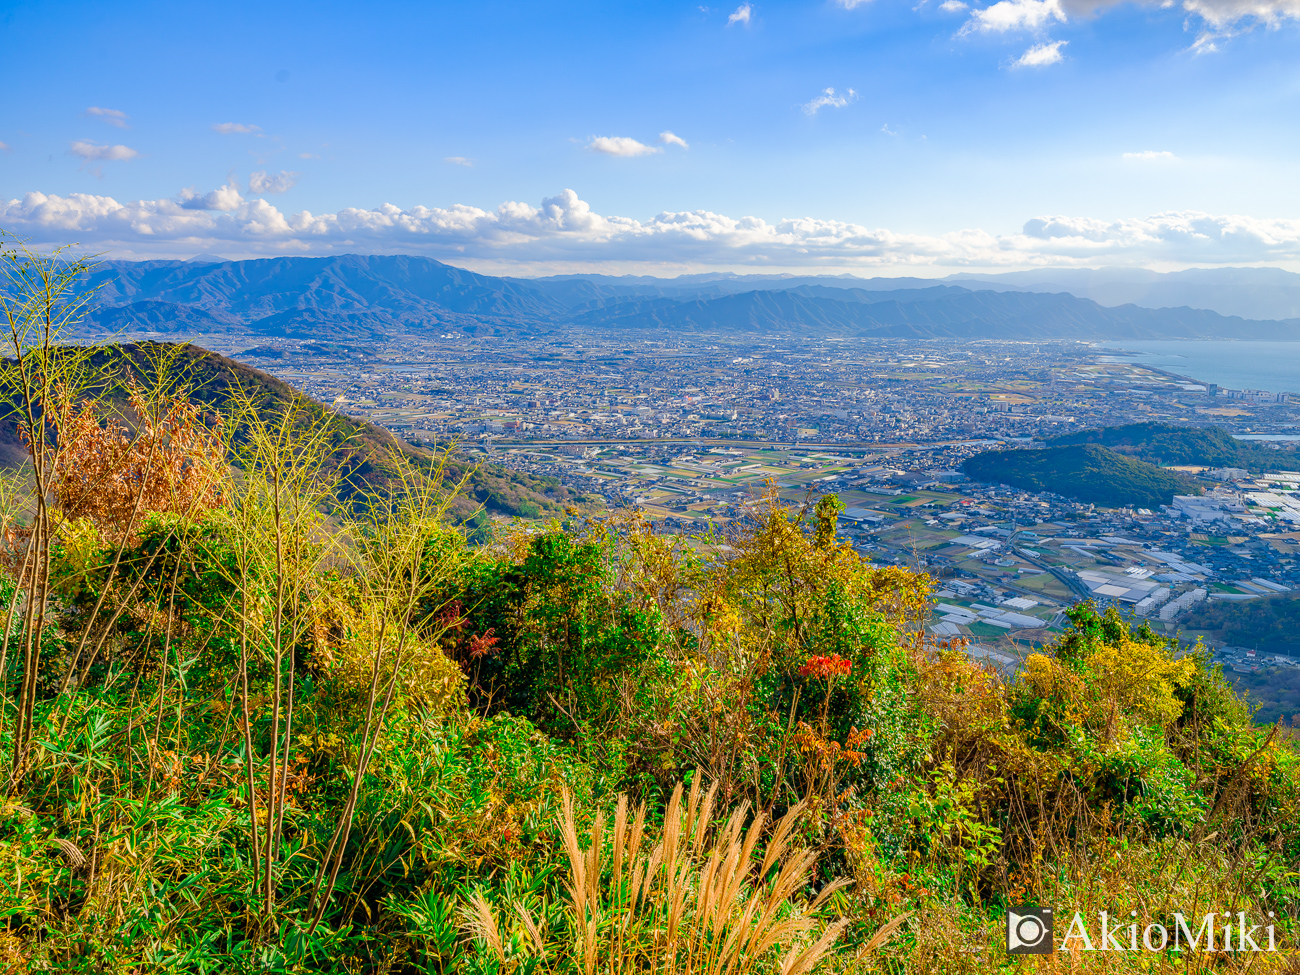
[384,297]
[1256,293]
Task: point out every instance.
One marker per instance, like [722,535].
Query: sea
[1270,366]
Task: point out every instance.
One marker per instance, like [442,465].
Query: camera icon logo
[1029,931]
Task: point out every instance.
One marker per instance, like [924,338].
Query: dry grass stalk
[71,853]
[697,902]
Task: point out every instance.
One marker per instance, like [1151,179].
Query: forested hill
[1086,472]
[362,451]
[1178,446]
[381,297]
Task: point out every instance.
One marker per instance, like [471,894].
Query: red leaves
[830,665]
[483,645]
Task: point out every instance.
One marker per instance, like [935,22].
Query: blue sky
[872,136]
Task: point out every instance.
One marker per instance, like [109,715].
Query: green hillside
[1268,624]
[361,451]
[1089,473]
[1167,445]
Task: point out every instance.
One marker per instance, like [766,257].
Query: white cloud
[620,145]
[1151,155]
[952,6]
[1041,55]
[236,128]
[1009,15]
[669,139]
[1222,13]
[261,182]
[225,199]
[112,116]
[828,99]
[308,155]
[91,152]
[852,4]
[741,15]
[459,161]
[564,232]
[1225,18]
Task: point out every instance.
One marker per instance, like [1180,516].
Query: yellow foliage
[81,552]
[347,640]
[1141,677]
[779,572]
[1050,681]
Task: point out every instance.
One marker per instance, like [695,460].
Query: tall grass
[693,899]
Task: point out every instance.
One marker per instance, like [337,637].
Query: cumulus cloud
[91,152]
[741,15]
[1224,18]
[620,145]
[225,199]
[1041,55]
[828,99]
[952,6]
[565,232]
[459,161]
[670,139]
[236,128]
[282,182]
[851,4]
[112,116]
[1011,15]
[1223,13]
[1151,155]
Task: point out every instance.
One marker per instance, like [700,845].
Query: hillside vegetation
[1166,445]
[360,454]
[1257,624]
[241,734]
[1088,472]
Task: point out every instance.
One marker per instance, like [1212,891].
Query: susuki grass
[257,720]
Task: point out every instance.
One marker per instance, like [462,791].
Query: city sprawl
[696,435]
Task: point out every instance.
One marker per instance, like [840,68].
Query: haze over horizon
[862,136]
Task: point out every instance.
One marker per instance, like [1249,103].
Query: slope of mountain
[934,312]
[1257,293]
[354,298]
[1247,292]
[330,297]
[1087,472]
[362,452]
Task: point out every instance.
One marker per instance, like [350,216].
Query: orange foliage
[826,666]
[172,463]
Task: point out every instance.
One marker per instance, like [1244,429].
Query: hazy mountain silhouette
[383,297]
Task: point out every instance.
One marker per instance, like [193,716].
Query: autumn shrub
[112,472]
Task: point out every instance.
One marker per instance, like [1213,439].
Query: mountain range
[356,297]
